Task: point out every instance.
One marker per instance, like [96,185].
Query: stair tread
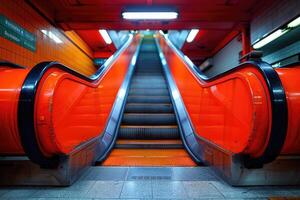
[150,126]
[145,96]
[149,114]
[146,104]
[149,157]
[163,141]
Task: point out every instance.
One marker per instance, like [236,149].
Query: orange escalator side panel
[11,81]
[70,111]
[290,78]
[232,112]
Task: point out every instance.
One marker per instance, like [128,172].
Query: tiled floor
[148,183]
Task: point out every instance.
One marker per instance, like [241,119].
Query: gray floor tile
[252,192]
[117,199]
[19,193]
[148,183]
[295,191]
[149,173]
[234,192]
[52,193]
[168,189]
[283,191]
[77,190]
[201,189]
[106,189]
[106,173]
[193,174]
[247,198]
[66,198]
[137,189]
[3,191]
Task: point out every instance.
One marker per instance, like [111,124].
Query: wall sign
[15,33]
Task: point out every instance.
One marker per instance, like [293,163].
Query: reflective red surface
[68,110]
[290,78]
[234,111]
[11,81]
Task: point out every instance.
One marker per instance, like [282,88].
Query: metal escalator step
[149,119]
[148,144]
[148,132]
[148,99]
[149,70]
[146,92]
[147,81]
[148,108]
[148,85]
[148,75]
[144,75]
[152,77]
[159,77]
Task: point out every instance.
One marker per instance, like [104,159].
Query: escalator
[149,133]
[148,106]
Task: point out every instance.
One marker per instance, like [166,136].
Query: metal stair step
[148,99]
[149,119]
[154,92]
[148,144]
[148,132]
[148,108]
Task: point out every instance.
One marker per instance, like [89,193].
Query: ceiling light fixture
[192,35]
[150,15]
[294,23]
[52,36]
[105,36]
[269,38]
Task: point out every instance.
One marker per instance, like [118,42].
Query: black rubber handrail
[27,98]
[278,106]
[11,65]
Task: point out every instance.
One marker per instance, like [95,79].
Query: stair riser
[148,86]
[147,81]
[149,120]
[142,92]
[148,146]
[148,133]
[150,99]
[148,109]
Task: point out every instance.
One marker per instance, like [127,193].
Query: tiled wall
[67,52]
[226,59]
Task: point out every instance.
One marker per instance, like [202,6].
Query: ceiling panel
[214,18]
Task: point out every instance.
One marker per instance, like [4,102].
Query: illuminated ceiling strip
[52,36]
[150,15]
[269,38]
[294,23]
[192,35]
[105,36]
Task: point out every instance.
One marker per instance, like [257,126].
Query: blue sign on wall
[15,33]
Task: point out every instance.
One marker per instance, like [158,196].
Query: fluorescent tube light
[192,35]
[52,36]
[149,15]
[269,38]
[294,23]
[105,36]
